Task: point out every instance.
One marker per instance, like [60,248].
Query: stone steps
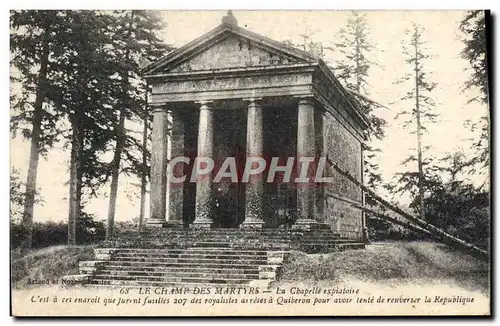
[189,251]
[220,257]
[224,231]
[113,279]
[188,234]
[233,239]
[191,274]
[191,260]
[135,284]
[179,264]
[224,238]
[249,271]
[214,255]
[211,235]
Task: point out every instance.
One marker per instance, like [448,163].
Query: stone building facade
[234,93]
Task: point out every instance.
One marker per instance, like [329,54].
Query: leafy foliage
[474,29]
[461,210]
[452,204]
[17,197]
[480,162]
[355,48]
[419,114]
[84,67]
[47,234]
[34,41]
[420,87]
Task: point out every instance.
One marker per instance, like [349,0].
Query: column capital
[206,105]
[253,101]
[306,100]
[159,109]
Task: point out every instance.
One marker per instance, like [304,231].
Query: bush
[46,234]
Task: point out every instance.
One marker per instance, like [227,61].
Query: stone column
[305,148]
[204,199]
[254,189]
[175,190]
[158,168]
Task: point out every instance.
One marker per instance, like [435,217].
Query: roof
[218,33]
[184,53]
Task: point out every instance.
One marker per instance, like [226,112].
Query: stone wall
[343,148]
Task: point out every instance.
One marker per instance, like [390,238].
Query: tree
[83,95]
[352,69]
[420,114]
[123,104]
[92,89]
[456,206]
[135,41]
[98,97]
[355,48]
[34,39]
[17,196]
[473,27]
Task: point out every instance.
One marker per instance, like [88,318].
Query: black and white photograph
[250,162]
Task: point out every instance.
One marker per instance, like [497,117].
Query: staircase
[217,257]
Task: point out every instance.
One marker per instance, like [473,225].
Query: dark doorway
[280,140]
[230,141]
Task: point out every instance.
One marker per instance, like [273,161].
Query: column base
[176,224]
[202,224]
[365,237]
[305,224]
[252,225]
[155,223]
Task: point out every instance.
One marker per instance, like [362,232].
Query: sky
[387,30]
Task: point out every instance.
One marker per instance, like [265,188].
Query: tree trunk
[144,161]
[115,174]
[75,178]
[29,200]
[120,143]
[421,182]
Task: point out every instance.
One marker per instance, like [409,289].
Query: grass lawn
[390,270]
[47,263]
[380,263]
[390,263]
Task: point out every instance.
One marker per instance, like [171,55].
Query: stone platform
[217,257]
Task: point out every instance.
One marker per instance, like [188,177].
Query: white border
[194,5]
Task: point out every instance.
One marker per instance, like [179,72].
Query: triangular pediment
[233,52]
[228,47]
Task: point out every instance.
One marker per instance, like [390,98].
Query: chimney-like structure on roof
[229,19]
